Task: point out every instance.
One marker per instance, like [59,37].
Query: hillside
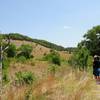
[17,36]
[50,81]
[65,85]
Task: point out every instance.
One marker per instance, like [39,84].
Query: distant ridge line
[18,36]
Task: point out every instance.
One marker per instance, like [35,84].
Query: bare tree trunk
[1,56]
[1,61]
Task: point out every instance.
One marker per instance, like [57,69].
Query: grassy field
[64,84]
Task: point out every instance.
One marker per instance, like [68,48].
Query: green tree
[92,40]
[80,58]
[83,56]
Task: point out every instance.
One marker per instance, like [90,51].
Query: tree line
[86,49]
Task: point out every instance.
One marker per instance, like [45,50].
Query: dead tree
[3,47]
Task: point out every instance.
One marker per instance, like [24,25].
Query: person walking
[96,68]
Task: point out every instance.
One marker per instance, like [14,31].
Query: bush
[25,77]
[11,51]
[53,57]
[56,60]
[25,50]
[21,59]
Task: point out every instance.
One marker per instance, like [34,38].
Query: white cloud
[67,27]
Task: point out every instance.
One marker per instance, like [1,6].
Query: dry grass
[65,85]
[53,88]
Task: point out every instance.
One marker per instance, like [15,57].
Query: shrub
[25,77]
[11,51]
[53,57]
[25,50]
[21,59]
[56,60]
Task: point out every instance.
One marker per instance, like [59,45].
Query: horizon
[61,22]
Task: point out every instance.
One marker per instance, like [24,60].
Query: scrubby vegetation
[80,58]
[17,36]
[21,59]
[20,55]
[25,77]
[53,57]
[87,49]
[6,64]
[25,51]
[55,77]
[11,51]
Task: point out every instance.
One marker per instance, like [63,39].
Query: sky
[63,22]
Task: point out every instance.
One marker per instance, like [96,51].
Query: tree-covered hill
[17,36]
[92,40]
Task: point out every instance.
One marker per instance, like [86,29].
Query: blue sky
[63,22]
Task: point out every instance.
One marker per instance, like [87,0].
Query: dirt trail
[96,92]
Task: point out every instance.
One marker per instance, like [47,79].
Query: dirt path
[96,92]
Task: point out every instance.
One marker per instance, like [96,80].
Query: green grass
[6,64]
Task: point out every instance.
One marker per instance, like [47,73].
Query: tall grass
[6,64]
